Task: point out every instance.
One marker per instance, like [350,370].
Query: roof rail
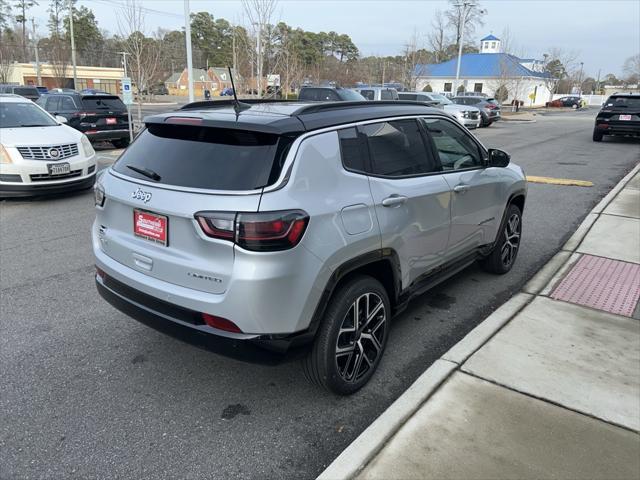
[229,103]
[324,106]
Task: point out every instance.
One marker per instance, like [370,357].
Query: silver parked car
[299,228]
[467,115]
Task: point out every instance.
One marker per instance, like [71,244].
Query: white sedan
[39,154]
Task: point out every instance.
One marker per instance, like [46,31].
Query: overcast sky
[604,32]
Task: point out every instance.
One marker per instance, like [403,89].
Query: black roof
[285,117]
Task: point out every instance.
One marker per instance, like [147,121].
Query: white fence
[594,100]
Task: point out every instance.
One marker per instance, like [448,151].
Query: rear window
[26,91]
[208,158]
[623,102]
[102,103]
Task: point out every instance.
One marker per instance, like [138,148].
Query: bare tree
[144,52]
[59,60]
[631,69]
[7,58]
[462,18]
[559,64]
[437,39]
[260,15]
[414,55]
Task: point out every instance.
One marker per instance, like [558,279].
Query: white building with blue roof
[489,72]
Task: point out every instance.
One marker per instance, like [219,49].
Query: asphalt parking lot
[90,393]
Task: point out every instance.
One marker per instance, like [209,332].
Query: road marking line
[559,181]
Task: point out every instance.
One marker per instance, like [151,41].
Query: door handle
[394,200]
[461,188]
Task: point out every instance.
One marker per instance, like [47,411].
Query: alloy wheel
[511,243]
[361,337]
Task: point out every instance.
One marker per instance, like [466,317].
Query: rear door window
[409,96]
[53,104]
[208,158]
[102,103]
[67,104]
[397,149]
[308,94]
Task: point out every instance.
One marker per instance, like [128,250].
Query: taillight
[260,232]
[491,106]
[218,224]
[220,323]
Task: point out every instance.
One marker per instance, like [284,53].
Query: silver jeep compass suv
[292,227]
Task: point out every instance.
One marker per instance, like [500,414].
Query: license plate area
[151,226]
[625,117]
[58,169]
[112,121]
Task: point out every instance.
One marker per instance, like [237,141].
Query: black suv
[27,91]
[329,94]
[489,107]
[619,115]
[99,117]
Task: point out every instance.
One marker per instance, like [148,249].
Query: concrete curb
[477,337]
[364,448]
[599,208]
[357,455]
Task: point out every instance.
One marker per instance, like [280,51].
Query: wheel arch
[382,264]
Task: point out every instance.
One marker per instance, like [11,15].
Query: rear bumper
[107,134]
[618,129]
[34,189]
[183,324]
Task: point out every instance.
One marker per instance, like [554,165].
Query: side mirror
[61,119]
[498,158]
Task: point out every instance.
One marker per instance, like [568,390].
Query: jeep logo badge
[140,194]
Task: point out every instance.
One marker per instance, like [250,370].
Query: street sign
[273,80]
[127,94]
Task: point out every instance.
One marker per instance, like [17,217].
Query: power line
[122,6]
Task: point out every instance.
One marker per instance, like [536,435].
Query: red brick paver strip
[601,283]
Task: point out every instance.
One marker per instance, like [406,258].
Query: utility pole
[467,6]
[580,78]
[73,45]
[35,47]
[598,82]
[187,34]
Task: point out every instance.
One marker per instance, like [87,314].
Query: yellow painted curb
[559,181]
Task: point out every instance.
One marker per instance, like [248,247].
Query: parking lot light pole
[187,34]
[73,46]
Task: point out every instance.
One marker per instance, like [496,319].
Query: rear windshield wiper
[147,172]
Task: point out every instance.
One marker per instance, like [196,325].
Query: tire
[597,136]
[484,122]
[504,253]
[120,143]
[362,346]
